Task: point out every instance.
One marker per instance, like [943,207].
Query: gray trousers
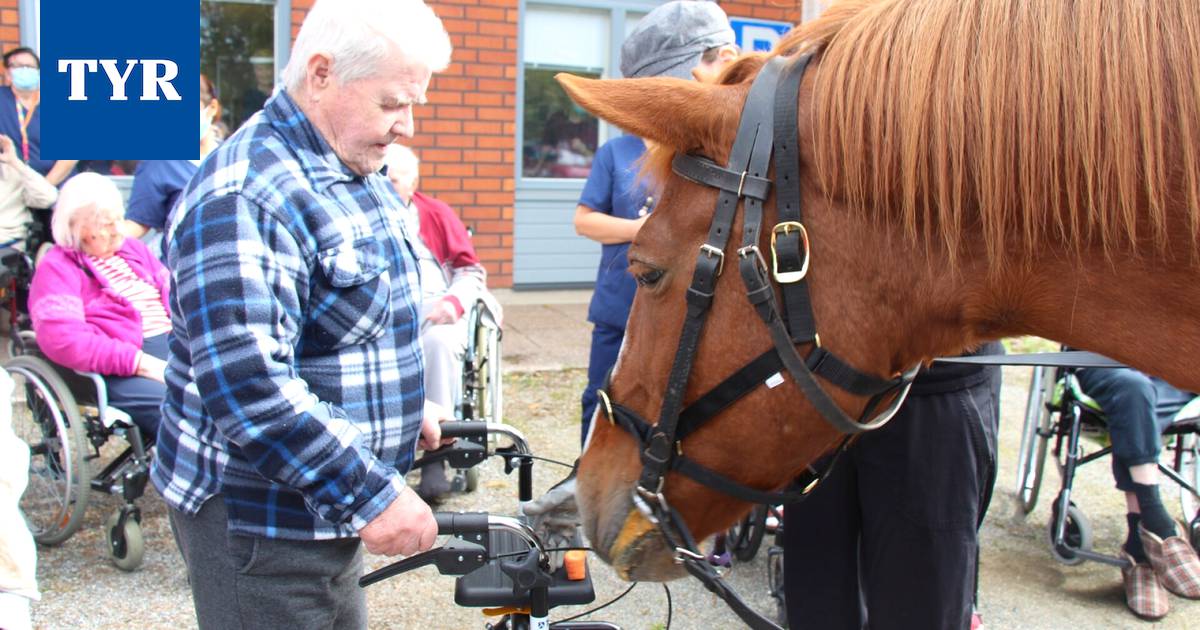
[251,582]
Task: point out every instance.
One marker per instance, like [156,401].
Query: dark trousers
[606,344]
[1138,408]
[889,539]
[138,396]
[252,582]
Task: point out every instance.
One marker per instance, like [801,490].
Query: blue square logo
[120,80]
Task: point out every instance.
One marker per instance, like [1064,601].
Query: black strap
[707,575]
[1068,359]
[736,385]
[789,247]
[656,455]
[704,171]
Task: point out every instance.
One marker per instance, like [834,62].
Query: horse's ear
[681,114]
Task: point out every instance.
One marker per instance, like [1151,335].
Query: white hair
[82,199]
[355,35]
[401,158]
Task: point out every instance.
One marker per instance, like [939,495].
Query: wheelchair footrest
[489,587]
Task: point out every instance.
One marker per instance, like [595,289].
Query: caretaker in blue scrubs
[684,39]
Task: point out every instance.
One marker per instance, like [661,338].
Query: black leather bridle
[768,125]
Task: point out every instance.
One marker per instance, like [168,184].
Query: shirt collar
[322,166]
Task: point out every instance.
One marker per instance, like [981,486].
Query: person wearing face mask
[158,183]
[20,116]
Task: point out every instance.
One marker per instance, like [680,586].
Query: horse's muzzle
[624,538]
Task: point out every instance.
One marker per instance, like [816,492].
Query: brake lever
[461,454]
[456,557]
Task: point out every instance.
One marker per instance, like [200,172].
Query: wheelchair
[480,389]
[1058,417]
[65,418]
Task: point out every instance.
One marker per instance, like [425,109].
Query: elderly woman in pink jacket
[99,300]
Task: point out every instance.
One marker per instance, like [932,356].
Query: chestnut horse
[970,170]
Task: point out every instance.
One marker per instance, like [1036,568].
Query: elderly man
[294,379]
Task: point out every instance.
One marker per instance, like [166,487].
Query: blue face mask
[25,78]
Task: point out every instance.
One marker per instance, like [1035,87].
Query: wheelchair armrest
[109,415]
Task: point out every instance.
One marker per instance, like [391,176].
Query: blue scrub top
[156,188]
[10,127]
[612,188]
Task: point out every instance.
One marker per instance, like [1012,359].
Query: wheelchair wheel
[1078,535]
[745,537]
[1189,469]
[126,546]
[490,399]
[49,422]
[21,342]
[1035,440]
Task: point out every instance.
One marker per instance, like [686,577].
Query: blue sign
[758,35]
[120,81]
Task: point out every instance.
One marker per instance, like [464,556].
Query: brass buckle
[711,251]
[788,277]
[607,406]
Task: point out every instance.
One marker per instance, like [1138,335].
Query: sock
[1133,542]
[1154,516]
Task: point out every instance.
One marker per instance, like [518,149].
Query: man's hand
[404,528]
[443,312]
[555,518]
[431,430]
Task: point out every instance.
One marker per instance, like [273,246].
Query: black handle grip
[464,429]
[461,523]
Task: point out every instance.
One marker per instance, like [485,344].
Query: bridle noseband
[768,125]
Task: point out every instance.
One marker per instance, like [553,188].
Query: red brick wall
[10,31]
[780,11]
[466,136]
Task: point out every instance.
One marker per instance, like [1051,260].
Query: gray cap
[670,39]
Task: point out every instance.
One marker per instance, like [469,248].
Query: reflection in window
[236,53]
[560,137]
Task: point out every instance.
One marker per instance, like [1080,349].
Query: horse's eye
[649,278]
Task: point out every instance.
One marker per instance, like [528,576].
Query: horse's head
[949,197]
[770,434]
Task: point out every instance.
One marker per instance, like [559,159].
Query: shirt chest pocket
[350,298]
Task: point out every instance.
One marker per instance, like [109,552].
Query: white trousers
[444,346]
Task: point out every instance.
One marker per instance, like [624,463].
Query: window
[560,138]
[237,53]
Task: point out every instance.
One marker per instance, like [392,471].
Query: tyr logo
[157,75]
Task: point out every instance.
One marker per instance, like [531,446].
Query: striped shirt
[294,377]
[143,295]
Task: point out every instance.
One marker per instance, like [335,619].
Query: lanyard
[23,120]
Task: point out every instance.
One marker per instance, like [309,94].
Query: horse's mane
[1070,119]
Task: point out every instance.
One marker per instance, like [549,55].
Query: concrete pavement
[545,330]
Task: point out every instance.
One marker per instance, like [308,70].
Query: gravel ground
[1022,585]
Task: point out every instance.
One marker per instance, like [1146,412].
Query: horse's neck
[1142,313]
[895,306]
[1138,311]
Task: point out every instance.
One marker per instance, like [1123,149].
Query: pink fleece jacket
[81,322]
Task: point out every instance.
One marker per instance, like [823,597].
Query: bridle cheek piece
[767,126]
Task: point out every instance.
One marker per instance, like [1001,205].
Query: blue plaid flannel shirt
[294,381]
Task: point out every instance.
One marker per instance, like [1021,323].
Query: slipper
[1144,595]
[1174,561]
